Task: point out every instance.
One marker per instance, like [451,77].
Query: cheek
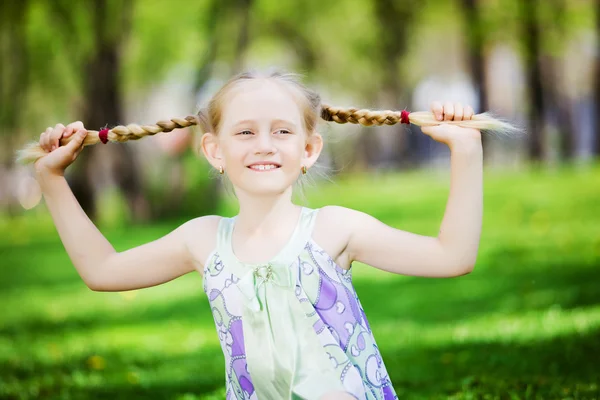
[294,147]
[234,152]
[292,156]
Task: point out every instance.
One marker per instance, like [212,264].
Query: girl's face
[262,143]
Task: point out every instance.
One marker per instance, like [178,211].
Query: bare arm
[452,253]
[97,262]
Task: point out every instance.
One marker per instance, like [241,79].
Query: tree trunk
[476,58]
[103,107]
[596,135]
[244,8]
[558,105]
[533,78]
[394,17]
[558,99]
[14,73]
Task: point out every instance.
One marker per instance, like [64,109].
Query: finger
[68,131]
[44,139]
[448,111]
[76,143]
[55,142]
[458,112]
[49,136]
[437,110]
[56,133]
[80,149]
[468,113]
[73,127]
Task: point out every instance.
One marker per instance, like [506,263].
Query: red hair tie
[103,135]
[404,117]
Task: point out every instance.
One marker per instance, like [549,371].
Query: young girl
[278,275]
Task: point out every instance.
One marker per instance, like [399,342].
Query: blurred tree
[596,146]
[243,8]
[553,75]
[473,23]
[395,19]
[14,71]
[530,32]
[218,33]
[102,93]
[210,20]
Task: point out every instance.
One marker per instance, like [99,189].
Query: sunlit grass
[524,324]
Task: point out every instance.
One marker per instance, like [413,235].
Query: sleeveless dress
[291,328]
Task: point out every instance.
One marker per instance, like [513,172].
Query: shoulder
[339,216]
[200,236]
[204,222]
[334,226]
[340,221]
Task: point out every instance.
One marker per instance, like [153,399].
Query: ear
[211,149]
[312,150]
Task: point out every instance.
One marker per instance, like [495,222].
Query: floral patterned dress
[292,328]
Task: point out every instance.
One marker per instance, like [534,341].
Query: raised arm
[99,265]
[454,251]
[96,261]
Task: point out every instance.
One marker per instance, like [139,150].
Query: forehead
[261,99]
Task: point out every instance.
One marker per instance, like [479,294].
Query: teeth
[262,167]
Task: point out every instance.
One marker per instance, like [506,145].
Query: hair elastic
[404,117]
[103,135]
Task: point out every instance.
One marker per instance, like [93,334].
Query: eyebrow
[246,121]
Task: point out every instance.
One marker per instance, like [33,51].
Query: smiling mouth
[263,167]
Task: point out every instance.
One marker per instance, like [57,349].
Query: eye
[284,131]
[246,132]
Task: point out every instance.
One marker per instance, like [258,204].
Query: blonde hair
[308,100]
[209,118]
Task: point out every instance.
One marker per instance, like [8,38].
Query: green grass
[524,325]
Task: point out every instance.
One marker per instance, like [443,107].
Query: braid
[358,116]
[31,152]
[485,122]
[134,132]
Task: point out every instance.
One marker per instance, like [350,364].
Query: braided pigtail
[32,151]
[484,122]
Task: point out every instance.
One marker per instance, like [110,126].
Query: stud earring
[304,170]
[221,170]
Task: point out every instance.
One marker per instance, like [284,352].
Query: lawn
[525,324]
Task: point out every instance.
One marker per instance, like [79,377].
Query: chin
[262,189]
[264,186]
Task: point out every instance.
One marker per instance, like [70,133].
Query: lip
[265,163]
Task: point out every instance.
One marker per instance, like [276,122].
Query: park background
[524,324]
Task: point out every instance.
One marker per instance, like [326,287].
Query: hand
[60,157]
[451,134]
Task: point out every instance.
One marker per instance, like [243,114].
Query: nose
[264,144]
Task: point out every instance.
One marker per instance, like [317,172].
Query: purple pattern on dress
[335,308]
[340,310]
[231,337]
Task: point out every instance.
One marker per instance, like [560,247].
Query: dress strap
[303,234]
[224,231]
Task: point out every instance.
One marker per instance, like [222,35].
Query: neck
[265,214]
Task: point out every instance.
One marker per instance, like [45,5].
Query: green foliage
[114,212]
[525,324]
[195,194]
[163,34]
